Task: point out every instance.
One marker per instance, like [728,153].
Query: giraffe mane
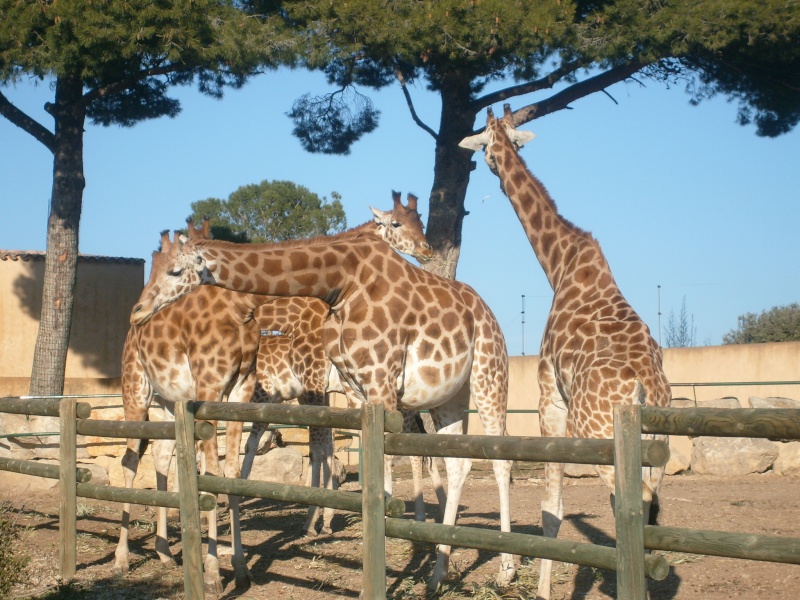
[360,231]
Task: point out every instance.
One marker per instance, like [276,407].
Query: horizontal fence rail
[655,453]
[590,555]
[289,414]
[772,423]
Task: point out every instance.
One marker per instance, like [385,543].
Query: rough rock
[678,462]
[726,402]
[280,465]
[788,461]
[732,456]
[772,402]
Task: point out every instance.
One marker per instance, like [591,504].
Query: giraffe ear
[519,138]
[381,217]
[475,142]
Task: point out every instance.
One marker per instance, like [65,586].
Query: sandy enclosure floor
[288,566]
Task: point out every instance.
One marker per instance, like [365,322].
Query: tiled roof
[31,255]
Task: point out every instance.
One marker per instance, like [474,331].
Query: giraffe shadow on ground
[587,577]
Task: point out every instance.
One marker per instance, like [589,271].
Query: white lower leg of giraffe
[457,471]
[438,487]
[328,479]
[416,476]
[233,437]
[502,474]
[162,451]
[251,447]
[552,515]
[130,464]
[321,462]
[211,575]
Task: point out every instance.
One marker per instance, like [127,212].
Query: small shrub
[12,561]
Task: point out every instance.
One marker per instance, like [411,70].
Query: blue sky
[679,197]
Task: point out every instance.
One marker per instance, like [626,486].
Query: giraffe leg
[233,438]
[130,464]
[438,487]
[320,473]
[162,459]
[552,422]
[211,574]
[416,476]
[457,471]
[252,445]
[328,480]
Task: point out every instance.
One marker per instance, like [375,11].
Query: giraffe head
[497,129]
[175,271]
[402,228]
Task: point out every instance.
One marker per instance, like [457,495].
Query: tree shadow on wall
[96,336]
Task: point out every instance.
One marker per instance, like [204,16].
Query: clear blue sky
[679,197]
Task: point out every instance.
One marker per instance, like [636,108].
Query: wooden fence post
[186,466]
[628,502]
[374,520]
[67,487]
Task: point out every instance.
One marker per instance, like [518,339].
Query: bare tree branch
[26,123]
[398,73]
[546,82]
[576,91]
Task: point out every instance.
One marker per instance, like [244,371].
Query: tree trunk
[61,261]
[450,178]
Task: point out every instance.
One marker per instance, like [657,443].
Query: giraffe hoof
[242,575]
[326,531]
[214,586]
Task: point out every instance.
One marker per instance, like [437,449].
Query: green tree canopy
[476,53]
[112,62]
[271,211]
[778,324]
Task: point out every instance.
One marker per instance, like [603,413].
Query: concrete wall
[106,290]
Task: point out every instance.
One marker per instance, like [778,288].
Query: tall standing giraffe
[596,352]
[396,334]
[205,347]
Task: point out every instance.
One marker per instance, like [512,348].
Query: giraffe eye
[176,272]
[396,224]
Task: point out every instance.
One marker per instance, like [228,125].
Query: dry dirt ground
[287,566]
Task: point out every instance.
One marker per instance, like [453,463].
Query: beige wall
[738,363]
[106,289]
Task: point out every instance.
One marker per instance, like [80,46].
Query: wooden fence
[381,515]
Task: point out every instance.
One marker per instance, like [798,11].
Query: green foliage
[778,324]
[129,53]
[12,560]
[746,50]
[271,211]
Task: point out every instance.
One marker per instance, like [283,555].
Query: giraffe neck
[555,241]
[328,270]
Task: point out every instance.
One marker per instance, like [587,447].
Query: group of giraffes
[388,332]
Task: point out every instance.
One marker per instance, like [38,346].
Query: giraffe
[396,334]
[193,351]
[596,352]
[206,347]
